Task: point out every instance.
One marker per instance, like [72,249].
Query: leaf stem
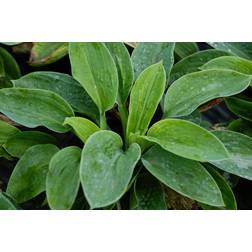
[103,123]
[124,117]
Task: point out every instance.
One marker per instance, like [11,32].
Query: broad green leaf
[20,142]
[44,53]
[193,62]
[148,194]
[187,140]
[145,97]
[230,62]
[146,54]
[184,176]
[6,131]
[105,169]
[241,126]
[241,49]
[6,203]
[29,175]
[4,154]
[11,68]
[240,148]
[195,89]
[226,191]
[63,179]
[94,67]
[65,86]
[83,128]
[122,60]
[184,49]
[240,107]
[35,107]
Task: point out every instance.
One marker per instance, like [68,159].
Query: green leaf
[63,85]
[195,89]
[6,203]
[148,194]
[230,62]
[240,148]
[6,131]
[34,107]
[29,175]
[144,98]
[83,128]
[226,191]
[184,49]
[241,126]
[20,142]
[187,140]
[240,107]
[93,66]
[186,177]
[122,60]
[105,169]
[146,54]
[241,49]
[193,62]
[44,53]
[63,179]
[4,154]
[11,68]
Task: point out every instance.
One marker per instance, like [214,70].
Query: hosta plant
[125,129]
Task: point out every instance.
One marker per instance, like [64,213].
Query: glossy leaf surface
[20,142]
[6,131]
[195,89]
[63,179]
[186,177]
[122,60]
[144,98]
[184,49]
[93,66]
[63,85]
[146,54]
[83,128]
[187,139]
[240,148]
[29,175]
[6,203]
[105,169]
[33,107]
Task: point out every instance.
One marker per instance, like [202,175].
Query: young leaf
[184,49]
[35,107]
[63,179]
[106,170]
[44,53]
[187,140]
[241,126]
[240,148]
[122,60]
[186,177]
[241,49]
[93,66]
[230,62]
[240,107]
[6,203]
[146,54]
[148,194]
[195,89]
[63,85]
[29,175]
[20,142]
[11,68]
[226,191]
[83,128]
[6,131]
[145,97]
[193,62]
